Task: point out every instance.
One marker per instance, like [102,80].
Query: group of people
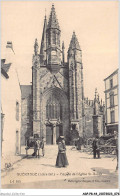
[37,146]
[61,160]
[96,147]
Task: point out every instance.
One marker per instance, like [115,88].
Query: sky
[94,22]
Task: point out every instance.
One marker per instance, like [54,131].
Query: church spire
[74,44]
[53,43]
[74,50]
[53,22]
[36,47]
[43,43]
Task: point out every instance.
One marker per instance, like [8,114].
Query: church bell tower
[53,51]
[76,94]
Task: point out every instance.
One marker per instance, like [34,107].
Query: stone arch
[55,90]
[61,97]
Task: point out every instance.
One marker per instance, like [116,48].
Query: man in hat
[96,148]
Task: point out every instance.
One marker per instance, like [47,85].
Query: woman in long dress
[61,157]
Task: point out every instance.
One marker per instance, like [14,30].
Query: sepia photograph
[59,95]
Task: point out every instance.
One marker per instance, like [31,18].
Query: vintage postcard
[59,95]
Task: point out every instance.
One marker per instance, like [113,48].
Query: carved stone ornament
[58,122]
[36,61]
[53,122]
[48,122]
[72,67]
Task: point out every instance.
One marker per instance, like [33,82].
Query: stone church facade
[57,86]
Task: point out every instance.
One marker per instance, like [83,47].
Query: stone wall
[88,120]
[11,109]
[26,113]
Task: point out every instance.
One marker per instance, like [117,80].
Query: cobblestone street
[83,171]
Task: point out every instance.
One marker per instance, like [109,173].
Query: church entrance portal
[53,132]
[49,134]
[53,119]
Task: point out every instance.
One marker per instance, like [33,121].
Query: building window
[54,38]
[17,142]
[112,113]
[17,111]
[111,100]
[111,83]
[53,108]
[53,111]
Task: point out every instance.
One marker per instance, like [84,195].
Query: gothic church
[56,96]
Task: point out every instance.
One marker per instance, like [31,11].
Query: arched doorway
[54,114]
[53,131]
[53,118]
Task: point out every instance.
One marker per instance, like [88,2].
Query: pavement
[83,171]
[9,161]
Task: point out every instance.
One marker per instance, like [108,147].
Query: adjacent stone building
[10,105]
[98,116]
[94,117]
[26,110]
[111,102]
[88,110]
